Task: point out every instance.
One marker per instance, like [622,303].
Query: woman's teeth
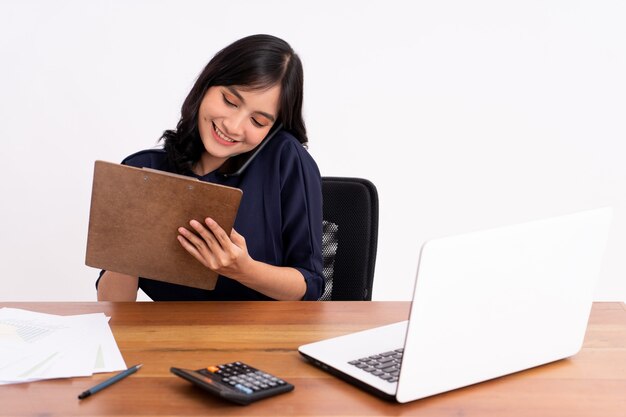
[223,136]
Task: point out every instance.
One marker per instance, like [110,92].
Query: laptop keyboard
[384,365]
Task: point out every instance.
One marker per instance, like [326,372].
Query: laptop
[485,304]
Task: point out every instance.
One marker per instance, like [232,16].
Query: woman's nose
[234,125]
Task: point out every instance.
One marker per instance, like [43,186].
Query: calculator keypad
[242,377]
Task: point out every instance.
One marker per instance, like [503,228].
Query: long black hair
[255,62]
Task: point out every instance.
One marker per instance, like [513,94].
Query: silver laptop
[485,304]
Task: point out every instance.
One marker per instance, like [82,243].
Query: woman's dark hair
[255,62]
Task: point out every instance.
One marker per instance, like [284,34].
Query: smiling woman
[233,122]
[274,250]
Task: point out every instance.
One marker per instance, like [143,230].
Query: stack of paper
[36,346]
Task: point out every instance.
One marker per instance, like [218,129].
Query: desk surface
[267,334]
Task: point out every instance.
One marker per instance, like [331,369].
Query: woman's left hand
[214,248]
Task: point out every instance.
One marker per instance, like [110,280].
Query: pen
[109,381]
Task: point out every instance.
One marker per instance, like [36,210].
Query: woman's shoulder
[286,158]
[286,146]
[284,139]
[150,158]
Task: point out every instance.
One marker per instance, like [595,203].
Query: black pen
[109,381]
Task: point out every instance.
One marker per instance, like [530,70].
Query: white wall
[465,114]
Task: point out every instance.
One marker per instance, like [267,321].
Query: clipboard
[134,219]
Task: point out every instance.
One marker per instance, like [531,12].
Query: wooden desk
[193,335]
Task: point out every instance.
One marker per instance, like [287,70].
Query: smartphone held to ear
[235,165]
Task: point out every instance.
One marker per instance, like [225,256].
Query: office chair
[350,238]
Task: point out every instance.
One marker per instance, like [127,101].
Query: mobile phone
[235,165]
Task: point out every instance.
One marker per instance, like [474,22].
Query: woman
[274,250]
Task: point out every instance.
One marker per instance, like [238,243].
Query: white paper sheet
[35,346]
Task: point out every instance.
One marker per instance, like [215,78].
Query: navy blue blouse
[280,216]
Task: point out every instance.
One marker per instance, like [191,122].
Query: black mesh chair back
[350,238]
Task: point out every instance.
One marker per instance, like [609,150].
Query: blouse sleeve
[301,207]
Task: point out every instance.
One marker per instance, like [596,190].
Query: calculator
[236,382]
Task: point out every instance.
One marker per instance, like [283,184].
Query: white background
[465,114]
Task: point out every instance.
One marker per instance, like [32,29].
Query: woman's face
[233,120]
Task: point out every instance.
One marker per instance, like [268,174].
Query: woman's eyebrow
[236,94]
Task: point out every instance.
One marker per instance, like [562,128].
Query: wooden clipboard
[134,217]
